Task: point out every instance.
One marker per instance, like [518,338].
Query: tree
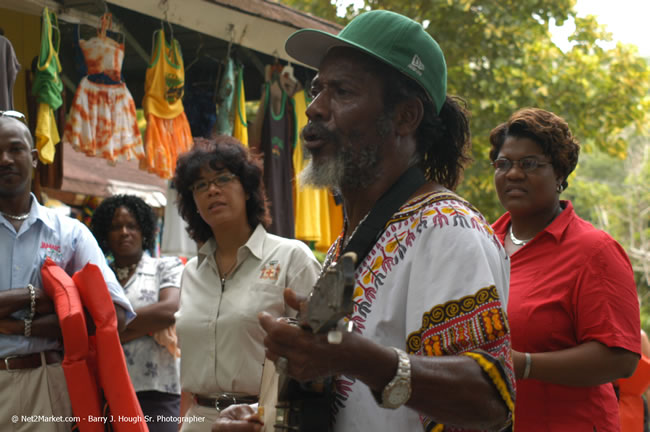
[500,57]
[613,194]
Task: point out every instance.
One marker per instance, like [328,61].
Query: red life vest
[96,363]
[111,365]
[82,384]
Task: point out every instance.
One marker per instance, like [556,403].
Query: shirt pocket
[263,297]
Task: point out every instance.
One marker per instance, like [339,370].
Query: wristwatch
[398,391]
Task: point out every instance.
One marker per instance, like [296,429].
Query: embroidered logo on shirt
[45,245]
[271,270]
[52,251]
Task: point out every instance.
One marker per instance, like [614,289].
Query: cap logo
[416,65]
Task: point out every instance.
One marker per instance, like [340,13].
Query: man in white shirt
[431,345]
[31,377]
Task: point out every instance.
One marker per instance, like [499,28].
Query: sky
[627,20]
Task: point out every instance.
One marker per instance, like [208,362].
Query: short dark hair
[220,152]
[550,131]
[443,140]
[143,214]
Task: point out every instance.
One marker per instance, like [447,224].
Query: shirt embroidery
[271,270]
[474,321]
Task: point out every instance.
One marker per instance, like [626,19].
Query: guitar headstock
[331,298]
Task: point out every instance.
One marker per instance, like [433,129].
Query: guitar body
[286,404]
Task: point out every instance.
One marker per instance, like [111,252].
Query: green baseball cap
[390,37]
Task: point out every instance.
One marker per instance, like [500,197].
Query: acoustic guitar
[286,404]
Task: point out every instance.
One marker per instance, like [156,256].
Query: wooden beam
[75,16]
[133,42]
[224,23]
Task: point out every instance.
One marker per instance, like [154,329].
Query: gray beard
[343,171]
[348,170]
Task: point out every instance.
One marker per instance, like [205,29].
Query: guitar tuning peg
[352,255]
[334,337]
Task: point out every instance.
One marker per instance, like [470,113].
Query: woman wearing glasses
[573,307]
[240,271]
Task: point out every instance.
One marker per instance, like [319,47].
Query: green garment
[47,83]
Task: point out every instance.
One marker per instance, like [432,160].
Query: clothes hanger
[106,22]
[287,72]
[196,56]
[164,6]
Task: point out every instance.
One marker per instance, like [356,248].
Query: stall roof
[96,176]
[261,25]
[278,12]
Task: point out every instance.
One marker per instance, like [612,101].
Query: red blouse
[569,285]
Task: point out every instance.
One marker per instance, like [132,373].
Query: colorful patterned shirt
[435,283]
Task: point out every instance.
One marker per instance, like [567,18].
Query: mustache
[318,130]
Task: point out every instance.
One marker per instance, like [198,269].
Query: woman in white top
[240,271]
[125,226]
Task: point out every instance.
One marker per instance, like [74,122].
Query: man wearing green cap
[430,348]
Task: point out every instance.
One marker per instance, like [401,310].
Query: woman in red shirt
[573,307]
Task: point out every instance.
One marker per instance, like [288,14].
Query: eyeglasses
[527,164]
[219,181]
[14,114]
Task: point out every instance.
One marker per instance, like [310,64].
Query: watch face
[399,394]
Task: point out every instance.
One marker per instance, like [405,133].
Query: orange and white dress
[168,131]
[102,120]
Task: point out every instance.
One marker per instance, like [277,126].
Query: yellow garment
[334,224]
[47,134]
[240,127]
[164,79]
[312,212]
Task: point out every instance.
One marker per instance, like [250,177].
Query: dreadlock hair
[217,153]
[102,219]
[443,140]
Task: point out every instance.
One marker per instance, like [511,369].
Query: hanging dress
[102,119]
[47,88]
[240,125]
[168,131]
[277,147]
[9,68]
[225,98]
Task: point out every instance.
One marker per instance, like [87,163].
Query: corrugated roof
[96,176]
[280,13]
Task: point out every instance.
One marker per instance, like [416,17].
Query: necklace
[355,229]
[515,240]
[341,243]
[124,272]
[21,217]
[225,273]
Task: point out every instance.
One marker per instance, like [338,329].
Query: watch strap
[402,378]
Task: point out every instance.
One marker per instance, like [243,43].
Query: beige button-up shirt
[221,340]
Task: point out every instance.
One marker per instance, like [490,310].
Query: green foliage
[501,58]
[613,194]
[320,8]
